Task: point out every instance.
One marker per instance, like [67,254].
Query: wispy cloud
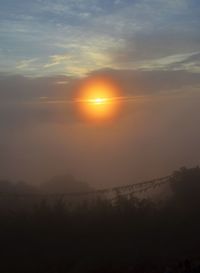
[78,37]
[57,59]
[26,63]
[171,62]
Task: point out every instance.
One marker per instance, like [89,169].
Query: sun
[97,99]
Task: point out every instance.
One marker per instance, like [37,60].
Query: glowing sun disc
[97,99]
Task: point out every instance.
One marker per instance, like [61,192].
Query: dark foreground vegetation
[129,235]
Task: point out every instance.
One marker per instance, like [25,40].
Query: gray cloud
[157,133]
[20,88]
[139,82]
[25,100]
[149,48]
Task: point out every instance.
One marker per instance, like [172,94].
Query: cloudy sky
[151,48]
[69,37]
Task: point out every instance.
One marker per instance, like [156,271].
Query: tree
[64,184]
[185,184]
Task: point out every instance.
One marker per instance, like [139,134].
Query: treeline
[129,235]
[57,184]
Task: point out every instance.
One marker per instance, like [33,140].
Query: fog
[156,132]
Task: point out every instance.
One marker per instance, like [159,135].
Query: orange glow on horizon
[97,99]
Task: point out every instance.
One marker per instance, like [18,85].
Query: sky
[151,48]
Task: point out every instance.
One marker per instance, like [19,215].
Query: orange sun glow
[97,99]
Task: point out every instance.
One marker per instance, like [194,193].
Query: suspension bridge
[128,191]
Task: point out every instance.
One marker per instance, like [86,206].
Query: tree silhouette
[64,184]
[185,184]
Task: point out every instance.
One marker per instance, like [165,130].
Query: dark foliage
[130,235]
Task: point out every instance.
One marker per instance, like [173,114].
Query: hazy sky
[151,48]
